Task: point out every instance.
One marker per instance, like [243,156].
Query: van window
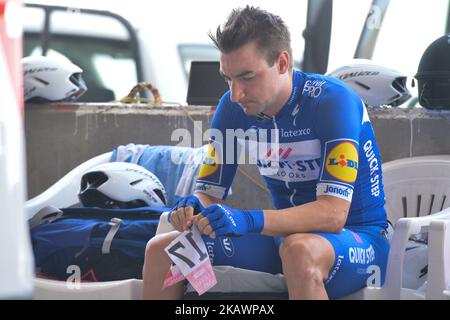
[100,45]
[196,52]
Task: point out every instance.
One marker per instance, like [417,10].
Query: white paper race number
[188,252]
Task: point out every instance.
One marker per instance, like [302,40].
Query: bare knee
[301,254]
[158,243]
[296,246]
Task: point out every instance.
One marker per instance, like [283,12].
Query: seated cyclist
[315,148]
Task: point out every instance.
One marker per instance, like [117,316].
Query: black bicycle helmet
[433,75]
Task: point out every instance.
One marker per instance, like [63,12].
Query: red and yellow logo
[211,163]
[342,162]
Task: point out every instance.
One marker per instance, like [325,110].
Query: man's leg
[307,260]
[157,264]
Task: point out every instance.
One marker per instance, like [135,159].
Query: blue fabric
[320,143]
[101,212]
[78,237]
[251,251]
[166,162]
[360,252]
[188,201]
[226,221]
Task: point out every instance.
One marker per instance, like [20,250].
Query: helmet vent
[41,80]
[160,195]
[93,180]
[136,182]
[362,85]
[399,84]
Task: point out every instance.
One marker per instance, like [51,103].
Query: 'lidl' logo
[211,163]
[342,162]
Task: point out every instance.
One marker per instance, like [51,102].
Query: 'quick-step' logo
[374,168]
[361,255]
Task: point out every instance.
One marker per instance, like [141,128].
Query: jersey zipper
[277,139]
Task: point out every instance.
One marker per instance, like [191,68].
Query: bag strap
[115,225]
[102,213]
[52,214]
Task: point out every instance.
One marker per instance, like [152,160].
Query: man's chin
[250,110]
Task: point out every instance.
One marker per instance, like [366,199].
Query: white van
[155,41]
[136,41]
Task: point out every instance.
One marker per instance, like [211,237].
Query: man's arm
[206,199]
[326,214]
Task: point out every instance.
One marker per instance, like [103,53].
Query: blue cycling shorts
[361,254]
[251,251]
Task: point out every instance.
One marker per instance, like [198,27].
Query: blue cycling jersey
[320,143]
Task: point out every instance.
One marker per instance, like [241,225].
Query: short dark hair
[249,24]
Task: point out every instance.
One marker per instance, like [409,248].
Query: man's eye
[248,77]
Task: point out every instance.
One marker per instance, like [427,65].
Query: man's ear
[284,61]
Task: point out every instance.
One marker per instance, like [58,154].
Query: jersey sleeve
[220,162]
[338,122]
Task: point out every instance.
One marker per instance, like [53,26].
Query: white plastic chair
[417,190]
[439,260]
[64,192]
[130,289]
[404,229]
[417,186]
[414,188]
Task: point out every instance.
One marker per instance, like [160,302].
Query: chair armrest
[446,294]
[438,259]
[45,289]
[164,225]
[404,229]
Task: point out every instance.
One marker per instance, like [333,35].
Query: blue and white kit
[320,143]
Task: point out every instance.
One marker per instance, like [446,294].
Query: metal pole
[371,28]
[317,35]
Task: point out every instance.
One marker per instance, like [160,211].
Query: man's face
[253,83]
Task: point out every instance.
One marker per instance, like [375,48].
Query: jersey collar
[294,99]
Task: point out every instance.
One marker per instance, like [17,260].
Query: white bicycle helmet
[47,79]
[121,185]
[375,84]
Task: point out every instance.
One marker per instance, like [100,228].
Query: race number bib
[173,276]
[188,253]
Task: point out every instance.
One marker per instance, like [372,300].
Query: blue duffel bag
[101,244]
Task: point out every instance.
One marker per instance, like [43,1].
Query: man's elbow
[338,221]
[337,211]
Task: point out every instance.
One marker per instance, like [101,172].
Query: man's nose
[237,92]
